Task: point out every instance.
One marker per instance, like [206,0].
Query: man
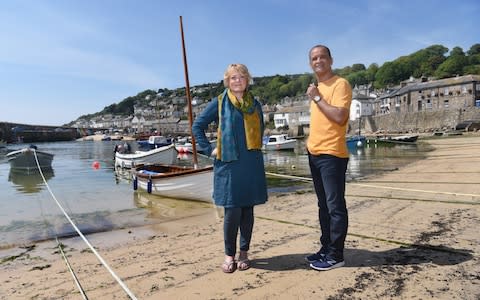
[328,157]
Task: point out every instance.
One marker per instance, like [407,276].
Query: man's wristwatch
[317,99]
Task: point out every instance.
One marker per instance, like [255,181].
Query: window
[445,91]
[428,104]
[445,103]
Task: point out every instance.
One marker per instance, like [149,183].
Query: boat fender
[149,185]
[135,183]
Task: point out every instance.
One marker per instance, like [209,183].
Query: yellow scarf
[251,121]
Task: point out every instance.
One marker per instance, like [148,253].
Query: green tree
[358,78]
[358,67]
[371,72]
[391,73]
[472,69]
[475,49]
[453,65]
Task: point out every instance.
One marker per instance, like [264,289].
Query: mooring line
[75,278]
[104,263]
[390,241]
[414,199]
[413,190]
[373,186]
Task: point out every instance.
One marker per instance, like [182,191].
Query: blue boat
[356,141]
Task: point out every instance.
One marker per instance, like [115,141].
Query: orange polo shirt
[327,137]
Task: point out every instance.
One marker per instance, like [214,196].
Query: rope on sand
[373,186]
[104,263]
[413,190]
[390,241]
[75,278]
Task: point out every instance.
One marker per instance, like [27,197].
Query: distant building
[297,115]
[362,102]
[422,95]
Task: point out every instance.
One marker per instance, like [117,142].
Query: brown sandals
[229,266]
[243,264]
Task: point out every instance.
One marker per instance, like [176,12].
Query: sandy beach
[413,234]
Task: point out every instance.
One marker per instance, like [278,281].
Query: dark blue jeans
[328,173]
[235,218]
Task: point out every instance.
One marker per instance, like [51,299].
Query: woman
[239,173]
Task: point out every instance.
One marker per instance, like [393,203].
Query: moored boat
[162,155]
[405,138]
[188,148]
[279,142]
[355,141]
[399,139]
[154,141]
[176,182]
[24,159]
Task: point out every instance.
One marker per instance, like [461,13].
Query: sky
[60,60]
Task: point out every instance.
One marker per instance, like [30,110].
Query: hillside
[435,61]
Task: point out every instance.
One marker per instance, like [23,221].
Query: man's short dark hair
[320,46]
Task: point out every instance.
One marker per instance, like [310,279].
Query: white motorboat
[279,142]
[175,181]
[405,138]
[398,139]
[24,159]
[154,141]
[162,155]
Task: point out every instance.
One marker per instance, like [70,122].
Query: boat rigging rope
[104,263]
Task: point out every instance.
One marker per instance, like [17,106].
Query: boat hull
[290,145]
[279,142]
[355,141]
[162,155]
[403,139]
[175,182]
[24,159]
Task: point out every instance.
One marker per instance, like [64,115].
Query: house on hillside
[268,112]
[297,115]
[362,102]
[138,123]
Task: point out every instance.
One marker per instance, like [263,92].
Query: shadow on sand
[401,256]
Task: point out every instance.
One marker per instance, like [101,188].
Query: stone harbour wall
[424,121]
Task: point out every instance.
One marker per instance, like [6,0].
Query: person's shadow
[365,258]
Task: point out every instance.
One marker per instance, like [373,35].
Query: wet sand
[413,234]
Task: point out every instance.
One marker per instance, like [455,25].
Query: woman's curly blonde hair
[240,68]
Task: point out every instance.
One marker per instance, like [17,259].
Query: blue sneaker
[315,257]
[326,264]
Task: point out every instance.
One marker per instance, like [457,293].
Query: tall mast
[189,100]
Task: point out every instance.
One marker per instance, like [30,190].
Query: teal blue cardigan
[242,182]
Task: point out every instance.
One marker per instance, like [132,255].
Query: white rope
[104,263]
[289,176]
[373,186]
[79,286]
[413,190]
[369,185]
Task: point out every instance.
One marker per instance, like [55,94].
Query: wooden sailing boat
[189,183]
